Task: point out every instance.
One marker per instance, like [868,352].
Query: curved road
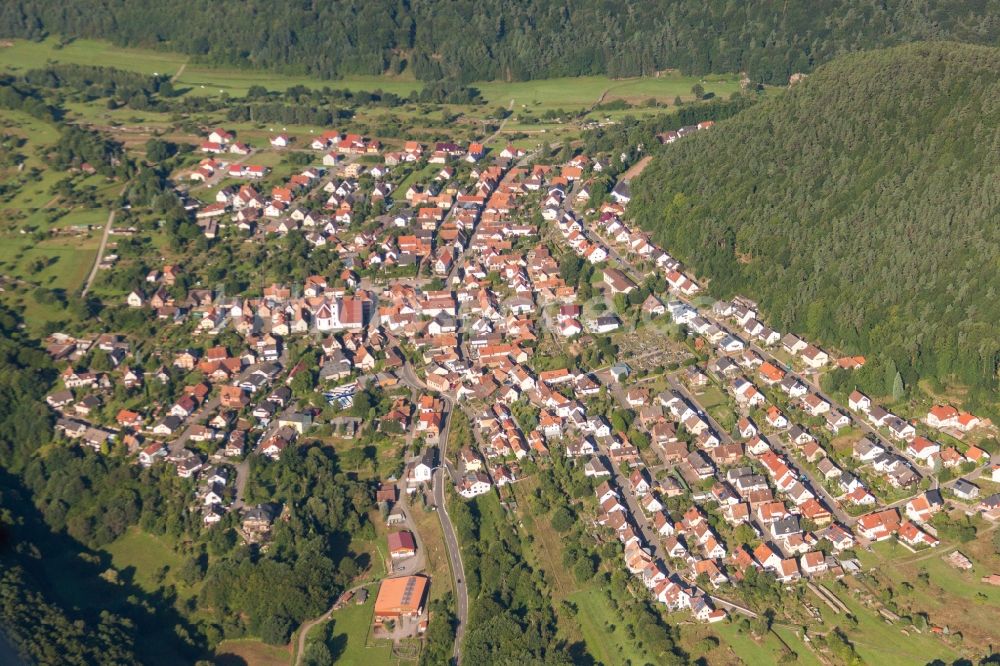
[409,377]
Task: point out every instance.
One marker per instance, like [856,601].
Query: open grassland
[594,622]
[200,79]
[950,597]
[349,634]
[25,55]
[736,646]
[586,91]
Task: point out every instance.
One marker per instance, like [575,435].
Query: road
[408,376]
[815,485]
[103,246]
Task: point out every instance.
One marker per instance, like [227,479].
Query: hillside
[479,40]
[860,208]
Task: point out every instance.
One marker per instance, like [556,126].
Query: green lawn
[608,646]
[750,651]
[142,554]
[712,397]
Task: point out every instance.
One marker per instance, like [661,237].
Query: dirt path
[491,137]
[103,246]
[309,624]
[180,70]
[636,168]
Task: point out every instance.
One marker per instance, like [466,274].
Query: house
[922,508]
[424,468]
[617,282]
[880,525]
[401,545]
[965,490]
[473,485]
[858,401]
[942,416]
[595,467]
[813,563]
[922,448]
[913,536]
[639,480]
[814,357]
[152,453]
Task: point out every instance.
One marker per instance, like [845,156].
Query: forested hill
[469,40]
[860,208]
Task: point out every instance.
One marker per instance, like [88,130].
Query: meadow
[200,79]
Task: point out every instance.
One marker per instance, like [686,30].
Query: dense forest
[860,208]
[470,40]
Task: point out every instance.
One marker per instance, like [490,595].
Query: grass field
[877,641]
[585,91]
[350,635]
[25,55]
[198,79]
[737,646]
[603,632]
[951,597]
[251,653]
[142,554]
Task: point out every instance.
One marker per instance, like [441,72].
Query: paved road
[815,484]
[409,378]
[100,250]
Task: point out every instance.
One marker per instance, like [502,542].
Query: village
[712,449]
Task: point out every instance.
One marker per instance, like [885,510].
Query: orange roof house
[401,597]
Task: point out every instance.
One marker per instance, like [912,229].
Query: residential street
[409,377]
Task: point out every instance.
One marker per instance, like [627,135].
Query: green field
[603,632]
[25,55]
[350,634]
[247,652]
[877,641]
[198,79]
[141,554]
[586,91]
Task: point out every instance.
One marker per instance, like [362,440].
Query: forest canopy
[859,208]
[466,40]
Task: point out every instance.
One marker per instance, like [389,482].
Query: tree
[897,387]
[562,520]
[698,91]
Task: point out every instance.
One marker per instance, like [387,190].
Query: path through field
[100,250]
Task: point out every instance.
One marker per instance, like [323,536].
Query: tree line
[468,40]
